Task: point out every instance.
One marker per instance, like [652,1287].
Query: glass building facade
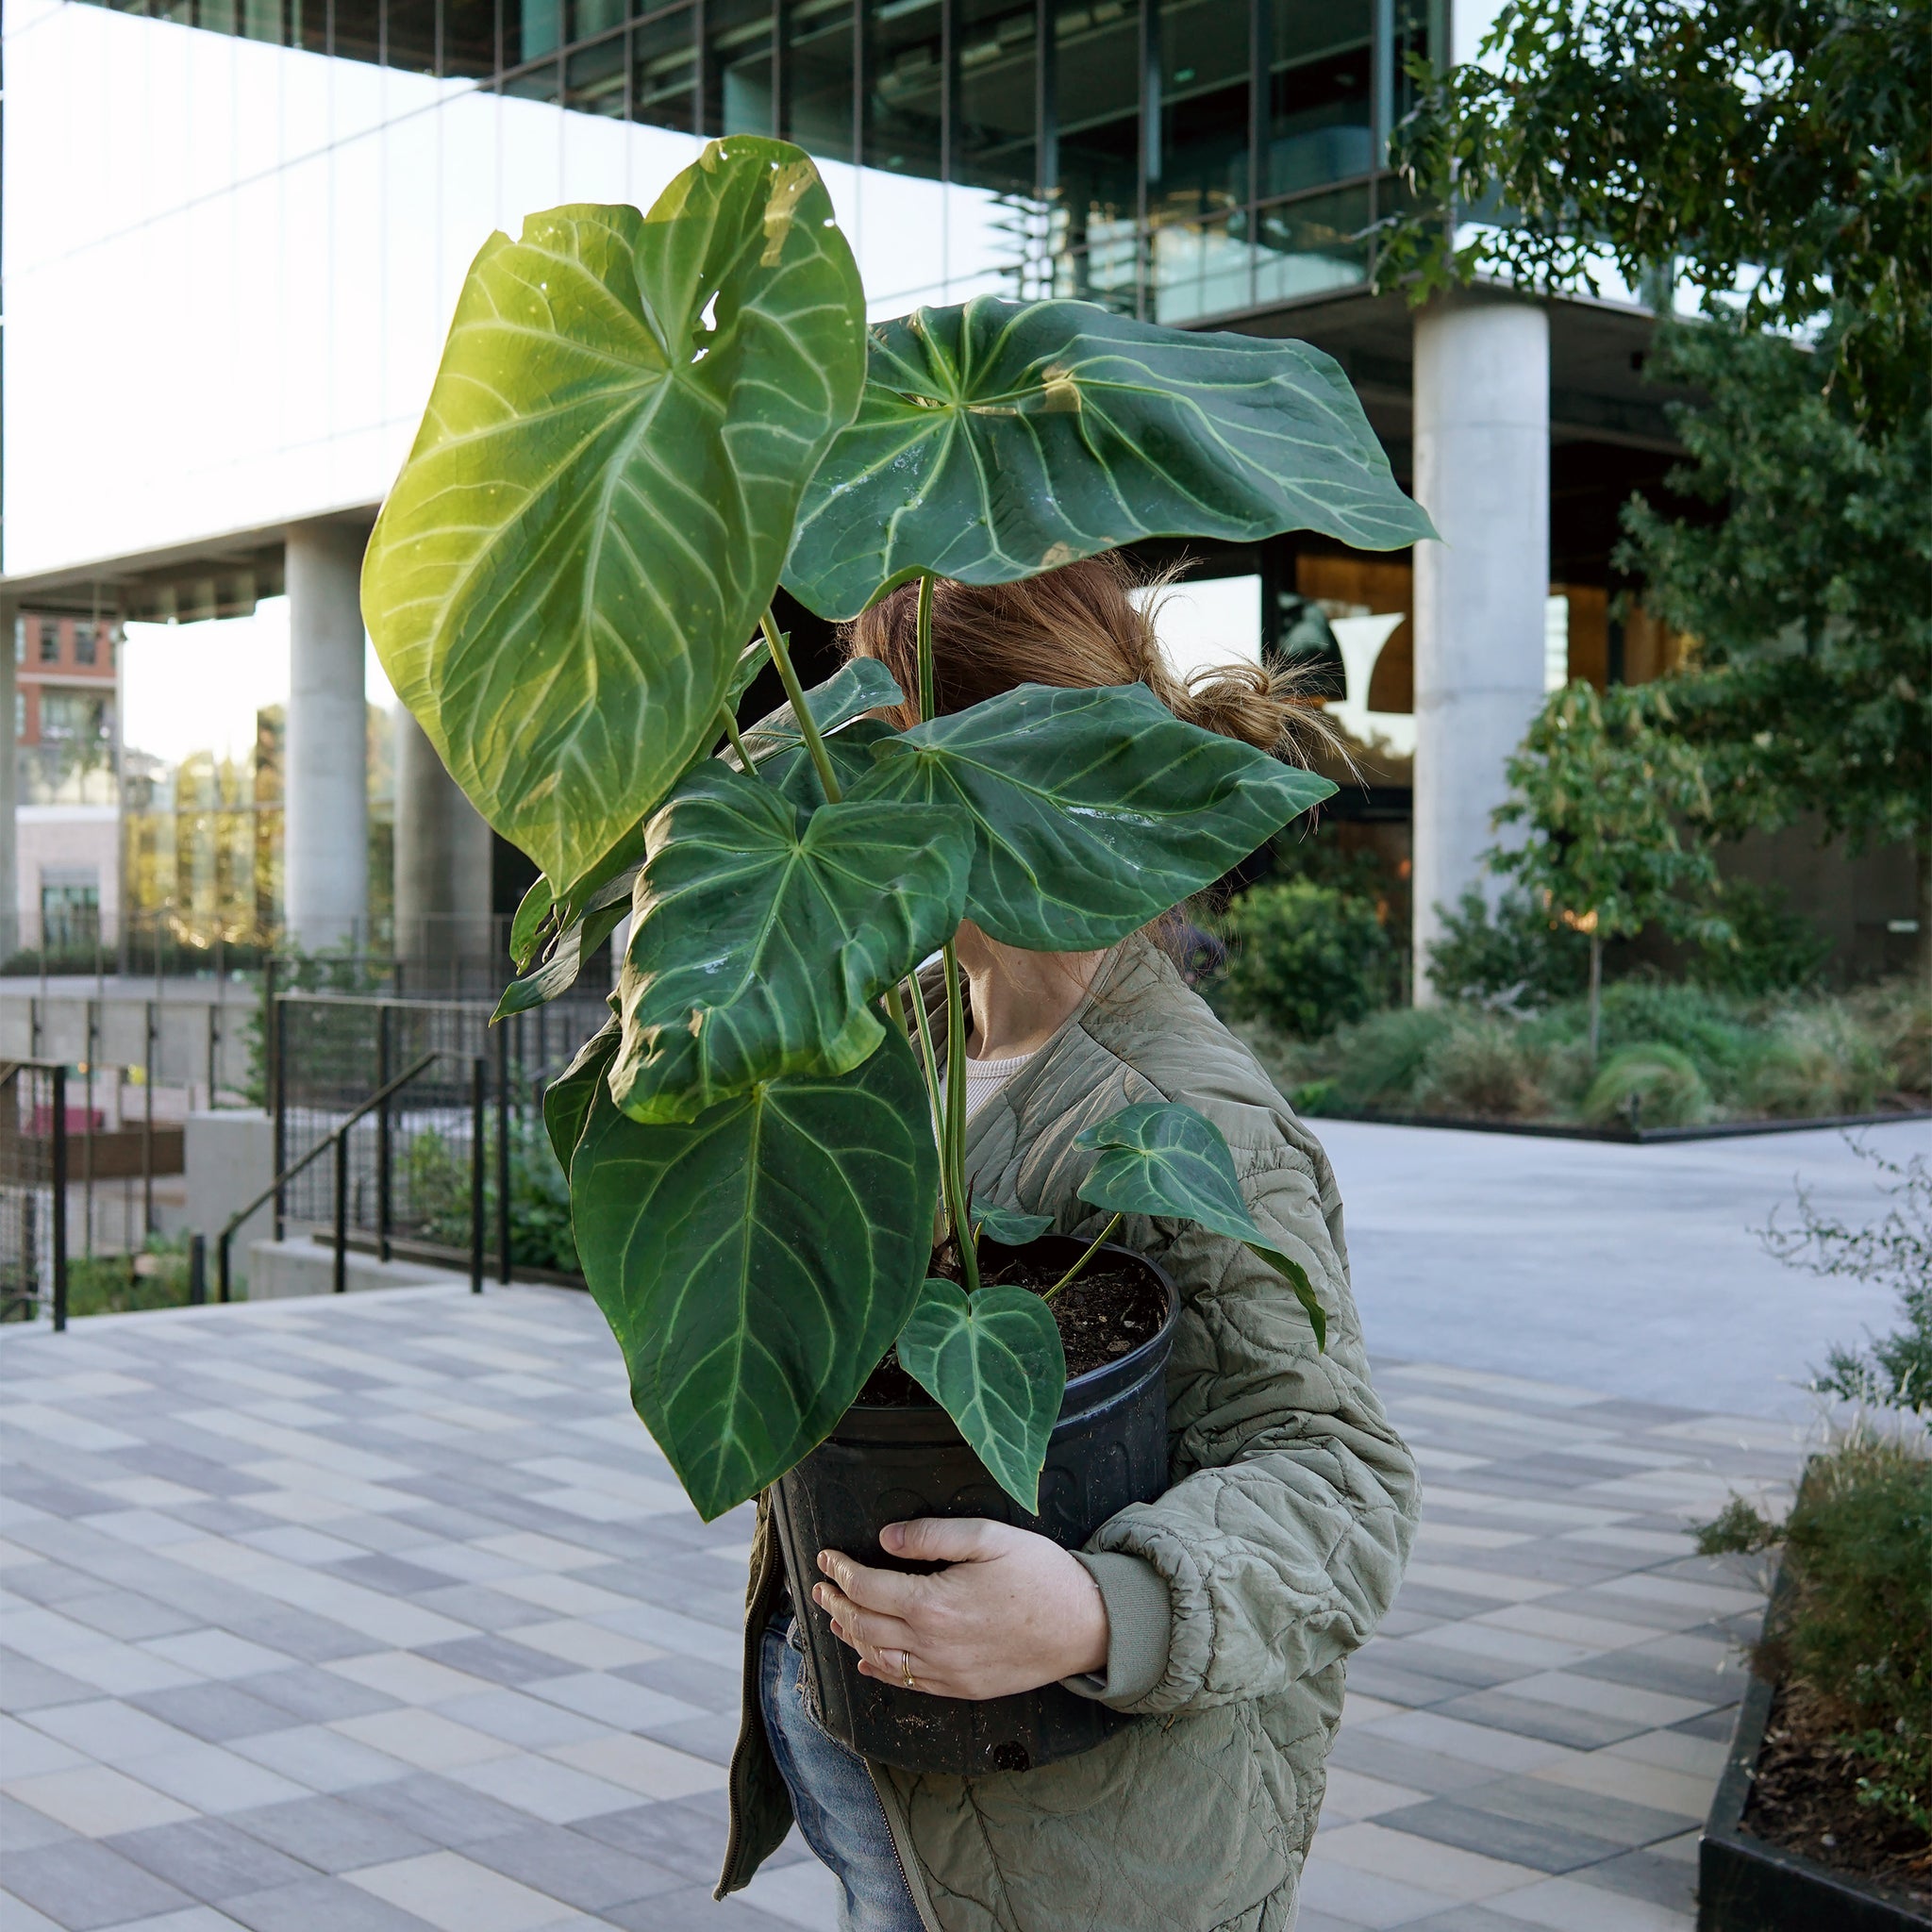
[1178,159]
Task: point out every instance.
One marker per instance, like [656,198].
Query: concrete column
[1482,471]
[9,789]
[325,815]
[443,856]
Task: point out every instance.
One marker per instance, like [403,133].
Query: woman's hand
[1012,1612]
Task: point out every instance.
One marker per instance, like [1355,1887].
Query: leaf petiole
[795,692]
[1091,1247]
[953,1147]
[928,702]
[737,743]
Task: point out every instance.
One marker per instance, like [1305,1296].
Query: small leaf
[527,928]
[567,1099]
[764,934]
[755,1263]
[995,1363]
[1093,811]
[999,439]
[1166,1161]
[1009,1226]
[861,686]
[559,972]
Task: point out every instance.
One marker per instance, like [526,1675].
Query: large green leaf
[995,1363]
[1093,811]
[1165,1160]
[792,773]
[861,686]
[567,1099]
[559,972]
[1001,439]
[757,1263]
[602,492]
[763,934]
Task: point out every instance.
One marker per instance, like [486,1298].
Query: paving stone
[82,1886]
[1543,1847]
[319,1904]
[212,1712]
[328,1835]
[578,1870]
[209,1858]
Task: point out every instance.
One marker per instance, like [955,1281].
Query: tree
[1808,597]
[1604,794]
[1777,154]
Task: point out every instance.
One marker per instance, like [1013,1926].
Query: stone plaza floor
[383,1613]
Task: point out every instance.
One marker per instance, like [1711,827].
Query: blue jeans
[838,1813]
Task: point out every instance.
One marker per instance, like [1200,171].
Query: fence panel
[33,1231]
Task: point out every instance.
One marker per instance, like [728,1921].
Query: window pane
[1097,100]
[1106,271]
[663,72]
[468,36]
[588,18]
[818,77]
[50,641]
[540,84]
[904,94]
[86,644]
[593,78]
[358,30]
[1313,245]
[1319,93]
[215,16]
[994,134]
[1198,269]
[1201,167]
[411,41]
[531,28]
[737,68]
[261,20]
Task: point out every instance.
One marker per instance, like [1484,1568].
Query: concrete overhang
[221,576]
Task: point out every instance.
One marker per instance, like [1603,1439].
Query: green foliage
[1306,958]
[600,500]
[1854,1622]
[1483,1066]
[755,1263]
[1512,955]
[1769,949]
[155,1277]
[1895,1370]
[1603,796]
[630,411]
[1726,139]
[1649,1085]
[436,1183]
[1168,1162]
[1093,811]
[994,1363]
[1813,1062]
[1000,438]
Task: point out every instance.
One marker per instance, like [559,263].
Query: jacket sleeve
[1281,1544]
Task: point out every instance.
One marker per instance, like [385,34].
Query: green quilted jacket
[1234,1598]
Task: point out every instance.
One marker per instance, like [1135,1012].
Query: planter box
[1746,1884]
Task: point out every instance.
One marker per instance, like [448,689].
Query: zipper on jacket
[748,1712]
[916,1891]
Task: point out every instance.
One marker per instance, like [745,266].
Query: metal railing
[33,1189]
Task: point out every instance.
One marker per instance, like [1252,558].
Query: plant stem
[929,1062]
[1083,1260]
[953,1147]
[737,743]
[795,692]
[928,703]
[1596,990]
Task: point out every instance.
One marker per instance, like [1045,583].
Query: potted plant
[642,422]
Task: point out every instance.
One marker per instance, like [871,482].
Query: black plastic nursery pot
[887,1465]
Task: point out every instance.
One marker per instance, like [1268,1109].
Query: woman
[1221,1613]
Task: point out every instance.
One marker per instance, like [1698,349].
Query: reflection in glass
[1310,246]
[905,96]
[737,68]
[1198,269]
[261,20]
[1320,97]
[540,84]
[995,43]
[818,76]
[410,40]
[531,28]
[663,73]
[358,30]
[468,36]
[593,78]
[588,18]
[1201,163]
[1097,149]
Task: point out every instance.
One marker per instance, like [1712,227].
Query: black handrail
[57,1151]
[338,1139]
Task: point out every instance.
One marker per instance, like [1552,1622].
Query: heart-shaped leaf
[1093,811]
[754,1264]
[998,440]
[567,1099]
[560,972]
[792,773]
[1007,1226]
[602,492]
[995,1363]
[762,934]
[1165,1160]
[861,686]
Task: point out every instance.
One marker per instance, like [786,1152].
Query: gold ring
[906,1670]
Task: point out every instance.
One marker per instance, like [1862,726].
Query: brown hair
[1076,625]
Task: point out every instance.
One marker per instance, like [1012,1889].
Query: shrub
[1771,949]
[1649,1085]
[1817,1061]
[1378,1062]
[1897,1014]
[1512,955]
[156,1277]
[1306,958]
[1482,1065]
[438,1181]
